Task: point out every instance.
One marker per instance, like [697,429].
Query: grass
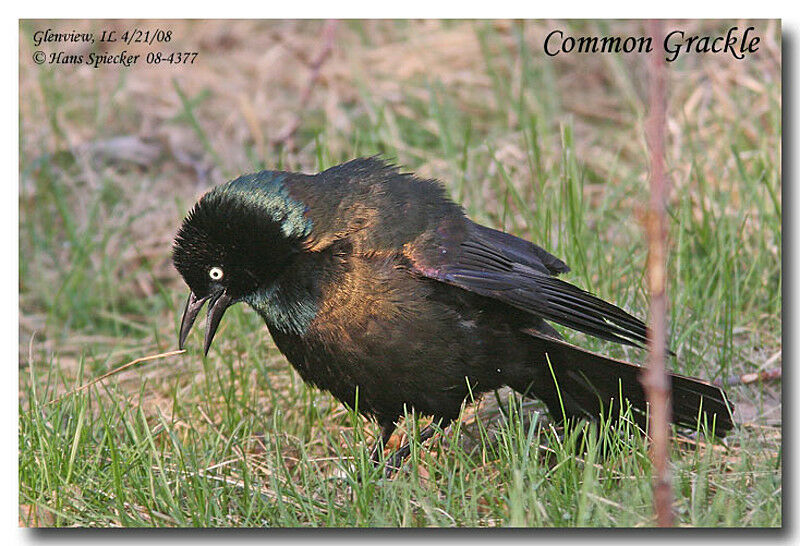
[550,151]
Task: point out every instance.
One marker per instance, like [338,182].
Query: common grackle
[376,286]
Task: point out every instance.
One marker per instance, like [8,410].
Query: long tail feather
[586,384]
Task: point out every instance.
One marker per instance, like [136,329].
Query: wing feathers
[500,266]
[549,298]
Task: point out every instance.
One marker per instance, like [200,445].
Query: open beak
[218,302]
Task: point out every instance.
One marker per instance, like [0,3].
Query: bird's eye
[215,273]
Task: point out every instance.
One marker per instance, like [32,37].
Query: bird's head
[235,241]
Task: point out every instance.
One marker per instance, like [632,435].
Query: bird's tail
[577,383]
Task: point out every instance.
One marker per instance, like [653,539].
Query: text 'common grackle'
[376,286]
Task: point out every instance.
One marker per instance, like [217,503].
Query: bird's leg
[387,429]
[397,457]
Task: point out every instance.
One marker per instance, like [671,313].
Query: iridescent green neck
[267,192]
[288,308]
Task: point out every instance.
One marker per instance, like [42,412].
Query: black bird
[377,287]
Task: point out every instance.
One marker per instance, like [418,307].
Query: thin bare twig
[755,377]
[286,136]
[116,371]
[655,381]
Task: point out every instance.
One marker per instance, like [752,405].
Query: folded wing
[503,267]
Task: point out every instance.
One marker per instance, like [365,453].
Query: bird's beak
[190,312]
[218,303]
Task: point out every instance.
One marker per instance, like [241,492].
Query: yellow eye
[215,273]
